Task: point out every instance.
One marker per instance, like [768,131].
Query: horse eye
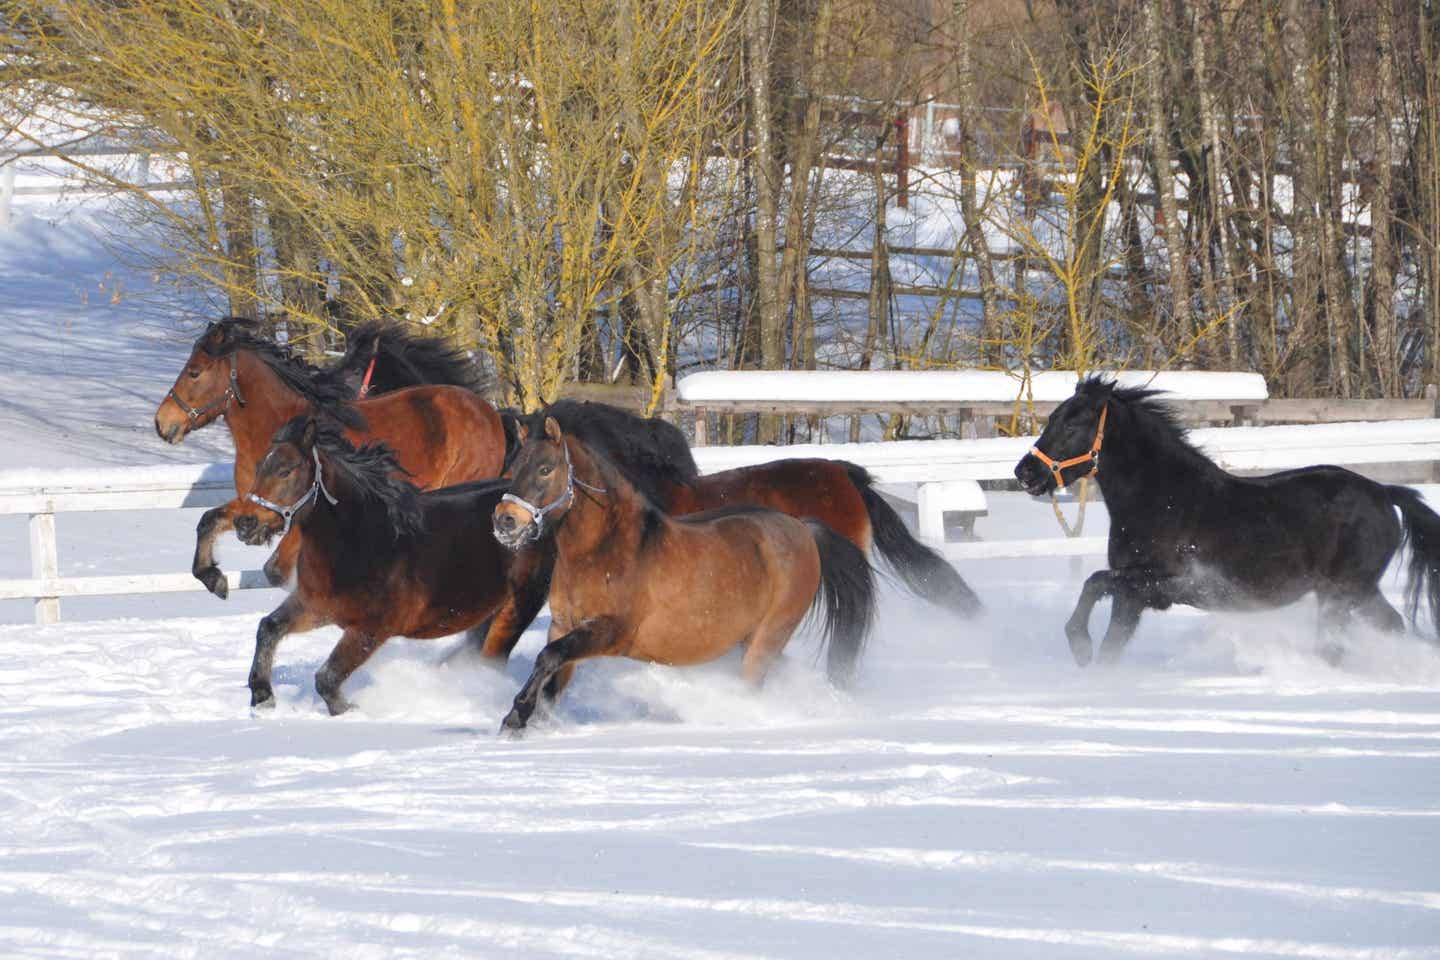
[194,374]
[546,471]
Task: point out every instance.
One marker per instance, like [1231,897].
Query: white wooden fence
[43,493]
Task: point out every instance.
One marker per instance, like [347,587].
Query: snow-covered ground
[1222,793]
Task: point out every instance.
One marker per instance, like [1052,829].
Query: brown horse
[440,434]
[631,581]
[379,557]
[842,496]
[654,458]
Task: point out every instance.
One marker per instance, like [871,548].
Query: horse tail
[1422,534]
[846,598]
[922,568]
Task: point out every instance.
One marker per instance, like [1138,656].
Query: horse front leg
[212,523]
[1077,628]
[289,617]
[594,639]
[354,648]
[527,585]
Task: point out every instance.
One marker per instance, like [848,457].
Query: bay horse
[440,434]
[631,581]
[655,458]
[380,558]
[1182,530]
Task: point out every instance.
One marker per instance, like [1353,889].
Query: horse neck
[269,403]
[1140,471]
[598,522]
[348,527]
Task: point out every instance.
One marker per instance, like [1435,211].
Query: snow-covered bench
[963,393]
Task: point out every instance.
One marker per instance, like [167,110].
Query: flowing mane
[1156,422]
[651,453]
[370,473]
[223,337]
[404,360]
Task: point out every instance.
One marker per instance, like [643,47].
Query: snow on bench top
[942,386]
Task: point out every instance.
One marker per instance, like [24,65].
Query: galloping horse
[1182,530]
[440,434]
[380,558]
[654,457]
[631,581]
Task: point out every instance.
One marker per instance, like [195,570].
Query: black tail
[847,597]
[924,571]
[1422,532]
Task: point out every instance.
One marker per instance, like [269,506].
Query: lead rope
[1082,497]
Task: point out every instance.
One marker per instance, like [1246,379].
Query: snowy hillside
[1222,793]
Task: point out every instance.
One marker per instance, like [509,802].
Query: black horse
[383,355]
[1182,530]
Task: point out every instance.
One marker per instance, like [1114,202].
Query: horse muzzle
[1035,479]
[512,535]
[171,433]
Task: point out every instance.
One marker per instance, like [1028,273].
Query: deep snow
[1222,793]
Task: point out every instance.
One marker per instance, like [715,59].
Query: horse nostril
[505,522]
[244,525]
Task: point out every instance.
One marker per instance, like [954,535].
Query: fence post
[7,192]
[702,427]
[44,564]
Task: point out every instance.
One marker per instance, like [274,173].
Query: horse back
[807,489]
[1279,534]
[441,435]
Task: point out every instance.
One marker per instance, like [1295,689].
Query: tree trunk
[1329,162]
[759,26]
[989,352]
[242,265]
[1382,271]
[1163,159]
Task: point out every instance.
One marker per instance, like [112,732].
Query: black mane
[402,359]
[223,337]
[1154,417]
[651,453]
[370,473]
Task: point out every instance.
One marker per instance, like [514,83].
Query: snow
[942,386]
[1223,792]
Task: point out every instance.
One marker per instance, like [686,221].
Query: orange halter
[1093,455]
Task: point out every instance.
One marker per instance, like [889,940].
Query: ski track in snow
[1222,793]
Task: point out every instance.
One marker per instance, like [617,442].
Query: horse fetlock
[261,695]
[214,580]
[513,726]
[1081,647]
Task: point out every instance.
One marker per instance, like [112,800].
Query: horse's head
[206,386]
[542,487]
[287,480]
[1069,448]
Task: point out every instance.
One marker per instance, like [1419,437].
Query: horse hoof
[214,581]
[512,727]
[1082,652]
[337,707]
[262,699]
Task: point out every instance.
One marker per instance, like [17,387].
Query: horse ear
[308,435]
[552,429]
[522,430]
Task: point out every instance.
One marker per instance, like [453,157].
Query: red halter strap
[369,372]
[1092,456]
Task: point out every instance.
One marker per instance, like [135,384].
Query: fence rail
[41,494]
